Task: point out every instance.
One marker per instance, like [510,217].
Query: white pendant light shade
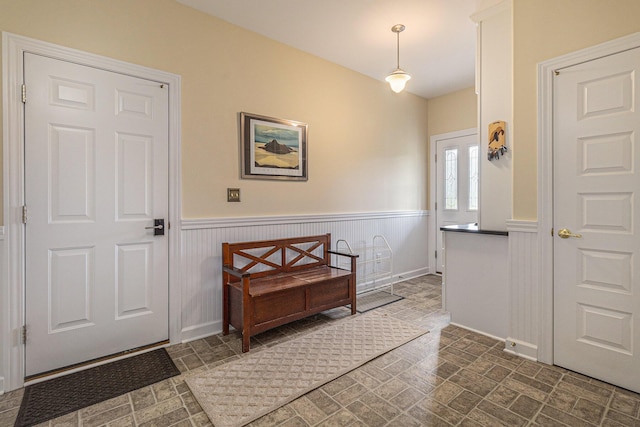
[398,79]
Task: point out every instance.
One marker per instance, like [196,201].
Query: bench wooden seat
[269,283]
[291,280]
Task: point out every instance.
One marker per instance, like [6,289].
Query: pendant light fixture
[398,78]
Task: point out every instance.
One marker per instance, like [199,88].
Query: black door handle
[158,227]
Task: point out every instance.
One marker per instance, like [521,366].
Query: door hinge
[436,206]
[23,334]
[24,94]
[436,254]
[551,231]
[24,214]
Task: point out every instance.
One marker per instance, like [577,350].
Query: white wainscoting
[201,281]
[476,286]
[2,319]
[524,289]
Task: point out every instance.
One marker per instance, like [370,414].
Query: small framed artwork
[273,148]
[497,144]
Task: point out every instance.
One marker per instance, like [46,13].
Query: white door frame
[545,173]
[433,223]
[12,282]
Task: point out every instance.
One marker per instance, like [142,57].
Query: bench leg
[247,314]
[225,309]
[245,341]
[352,289]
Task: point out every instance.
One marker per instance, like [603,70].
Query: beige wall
[367,145]
[1,156]
[452,112]
[226,70]
[545,29]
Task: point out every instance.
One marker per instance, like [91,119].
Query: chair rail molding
[204,223]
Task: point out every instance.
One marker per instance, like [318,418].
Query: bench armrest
[352,256]
[235,271]
[344,254]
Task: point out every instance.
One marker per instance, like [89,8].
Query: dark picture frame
[273,148]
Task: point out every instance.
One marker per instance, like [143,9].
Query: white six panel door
[596,193]
[96,174]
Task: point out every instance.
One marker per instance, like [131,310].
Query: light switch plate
[233,194]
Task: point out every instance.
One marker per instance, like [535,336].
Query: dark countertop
[472,228]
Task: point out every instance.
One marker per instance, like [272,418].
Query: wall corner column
[494,84]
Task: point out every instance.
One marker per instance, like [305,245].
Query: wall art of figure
[497,140]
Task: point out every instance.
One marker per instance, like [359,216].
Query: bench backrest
[269,257]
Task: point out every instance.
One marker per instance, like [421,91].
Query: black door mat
[370,300]
[59,396]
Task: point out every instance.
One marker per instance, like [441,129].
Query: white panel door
[596,200]
[456,185]
[96,176]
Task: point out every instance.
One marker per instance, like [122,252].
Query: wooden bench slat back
[281,247]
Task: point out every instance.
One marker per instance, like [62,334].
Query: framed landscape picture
[273,148]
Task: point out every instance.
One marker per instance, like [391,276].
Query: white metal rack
[374,267]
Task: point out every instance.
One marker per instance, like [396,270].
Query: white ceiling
[437,48]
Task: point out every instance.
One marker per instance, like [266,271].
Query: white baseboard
[520,348]
[203,330]
[477,331]
[413,274]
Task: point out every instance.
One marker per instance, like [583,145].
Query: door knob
[564,233]
[158,227]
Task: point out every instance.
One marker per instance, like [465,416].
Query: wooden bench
[269,283]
